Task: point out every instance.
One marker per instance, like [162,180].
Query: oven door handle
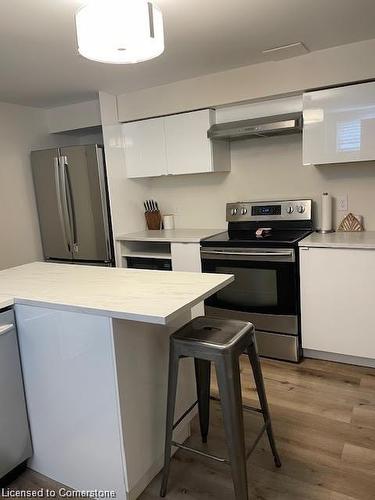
[288,253]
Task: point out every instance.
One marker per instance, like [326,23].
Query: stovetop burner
[248,238]
[289,221]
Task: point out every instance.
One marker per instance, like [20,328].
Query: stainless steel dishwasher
[15,443]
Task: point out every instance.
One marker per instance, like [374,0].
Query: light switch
[342,202]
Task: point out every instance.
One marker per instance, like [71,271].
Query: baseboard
[339,358]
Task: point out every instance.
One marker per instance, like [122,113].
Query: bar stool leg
[203,381]
[229,382]
[259,382]
[171,403]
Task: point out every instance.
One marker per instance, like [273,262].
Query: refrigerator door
[87,203]
[52,204]
[15,443]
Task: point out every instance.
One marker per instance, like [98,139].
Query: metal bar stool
[220,341]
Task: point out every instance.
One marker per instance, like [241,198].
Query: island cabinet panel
[142,357]
[71,393]
[96,391]
[337,301]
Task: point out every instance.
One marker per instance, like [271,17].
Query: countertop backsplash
[263,169]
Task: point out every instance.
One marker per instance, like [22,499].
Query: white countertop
[132,294]
[171,235]
[6,301]
[363,239]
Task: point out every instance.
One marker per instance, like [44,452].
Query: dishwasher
[15,442]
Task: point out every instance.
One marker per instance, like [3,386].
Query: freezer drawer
[15,443]
[278,346]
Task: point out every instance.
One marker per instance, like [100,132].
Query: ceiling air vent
[285,51]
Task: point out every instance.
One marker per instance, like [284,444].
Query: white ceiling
[39,65]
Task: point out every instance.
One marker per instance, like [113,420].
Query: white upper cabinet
[189,151]
[339,125]
[172,145]
[145,148]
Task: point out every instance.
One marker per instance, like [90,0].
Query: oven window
[259,287]
[251,288]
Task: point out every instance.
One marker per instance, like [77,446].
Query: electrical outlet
[342,202]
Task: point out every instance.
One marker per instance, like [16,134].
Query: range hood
[290,123]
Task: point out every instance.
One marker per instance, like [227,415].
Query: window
[348,136]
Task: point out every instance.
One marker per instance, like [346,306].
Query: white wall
[126,195]
[263,169]
[347,63]
[74,116]
[21,129]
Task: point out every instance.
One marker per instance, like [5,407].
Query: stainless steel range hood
[290,123]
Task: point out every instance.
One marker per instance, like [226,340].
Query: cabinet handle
[6,328]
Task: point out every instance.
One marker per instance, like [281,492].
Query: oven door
[264,290]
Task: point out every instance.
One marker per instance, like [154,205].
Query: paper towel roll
[326,212]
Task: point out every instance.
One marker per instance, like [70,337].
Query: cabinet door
[71,393]
[339,125]
[187,257]
[145,151]
[337,301]
[189,150]
[15,443]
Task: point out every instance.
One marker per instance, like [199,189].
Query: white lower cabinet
[96,391]
[70,384]
[337,301]
[187,257]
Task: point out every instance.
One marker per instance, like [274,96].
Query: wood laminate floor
[324,421]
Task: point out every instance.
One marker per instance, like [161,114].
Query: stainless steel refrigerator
[72,199]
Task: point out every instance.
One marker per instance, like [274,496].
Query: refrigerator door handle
[70,203]
[104,204]
[61,204]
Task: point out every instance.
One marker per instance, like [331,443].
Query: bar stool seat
[219,341]
[212,332]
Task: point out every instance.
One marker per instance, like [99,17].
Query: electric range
[260,249]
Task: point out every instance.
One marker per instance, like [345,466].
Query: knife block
[153,220]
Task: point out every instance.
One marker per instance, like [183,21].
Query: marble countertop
[364,240]
[171,235]
[6,301]
[131,294]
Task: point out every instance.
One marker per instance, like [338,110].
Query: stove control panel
[288,210]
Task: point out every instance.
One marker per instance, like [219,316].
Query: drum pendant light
[120,31]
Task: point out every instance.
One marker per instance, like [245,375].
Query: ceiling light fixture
[120,31]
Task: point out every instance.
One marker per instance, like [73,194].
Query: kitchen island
[94,350]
